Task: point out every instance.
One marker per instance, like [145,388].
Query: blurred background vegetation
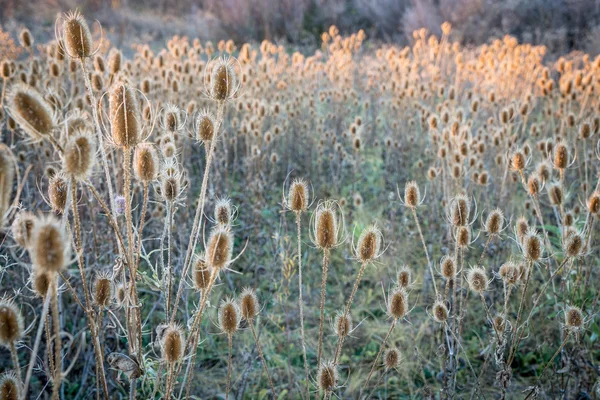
[561,25]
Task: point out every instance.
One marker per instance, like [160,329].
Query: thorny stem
[15,359]
[392,325]
[414,213]
[301,302]
[141,226]
[36,344]
[322,306]
[57,342]
[262,358]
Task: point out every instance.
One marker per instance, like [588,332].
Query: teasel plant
[229,322]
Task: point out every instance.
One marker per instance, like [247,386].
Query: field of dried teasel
[366,221]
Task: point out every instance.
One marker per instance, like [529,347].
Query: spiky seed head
[494,222]
[412,195]
[297,200]
[326,226]
[7,178]
[561,156]
[102,291]
[499,323]
[574,319]
[459,211]
[439,312]
[11,323]
[10,387]
[398,303]
[79,155]
[205,126]
[404,277]
[171,119]
[532,246]
[114,61]
[125,116]
[593,203]
[448,267]
[31,111]
[219,248]
[574,245]
[533,185]
[22,227]
[172,344]
[5,69]
[57,193]
[568,219]
[518,161]
[463,236]
[509,273]
[521,227]
[369,244]
[76,36]
[249,304]
[477,280]
[146,162]
[170,188]
[49,246]
[342,324]
[223,80]
[201,273]
[223,213]
[229,316]
[41,282]
[555,194]
[327,376]
[120,294]
[391,358]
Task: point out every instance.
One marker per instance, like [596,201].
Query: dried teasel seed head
[439,312]
[327,376]
[201,273]
[22,228]
[342,324]
[11,323]
[41,282]
[574,319]
[219,248]
[7,178]
[412,196]
[146,162]
[593,203]
[533,185]
[297,200]
[391,358]
[369,244]
[463,236]
[477,280]
[5,69]
[509,273]
[172,344]
[518,161]
[49,246]
[223,212]
[120,294]
[249,304]
[574,244]
[125,118]
[561,156]
[31,111]
[26,39]
[555,194]
[79,155]
[460,210]
[494,222]
[499,323]
[57,192]
[448,267]
[521,227]
[102,291]
[114,61]
[404,277]
[229,316]
[77,37]
[397,306]
[532,245]
[205,126]
[326,226]
[10,387]
[223,80]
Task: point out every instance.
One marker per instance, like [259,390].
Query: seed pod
[298,196]
[573,245]
[57,193]
[22,227]
[398,303]
[326,230]
[49,247]
[99,64]
[532,246]
[29,109]
[555,194]
[522,227]
[593,203]
[518,161]
[477,280]
[124,116]
[463,236]
[76,35]
[229,316]
[120,294]
[146,162]
[439,312]
[459,211]
[219,248]
[41,282]
[499,323]
[7,179]
[533,185]
[509,273]
[404,277]
[391,358]
[412,196]
[448,267]
[494,222]
[201,273]
[79,155]
[574,318]
[561,156]
[114,61]
[223,80]
[205,126]
[102,291]
[223,213]
[5,69]
[10,387]
[249,304]
[26,39]
[172,344]
[369,244]
[169,188]
[327,376]
[11,323]
[342,324]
